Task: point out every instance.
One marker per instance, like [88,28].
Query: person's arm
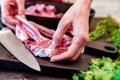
[76,18]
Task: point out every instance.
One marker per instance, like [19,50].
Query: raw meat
[43,10]
[36,42]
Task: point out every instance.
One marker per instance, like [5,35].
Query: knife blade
[17,49]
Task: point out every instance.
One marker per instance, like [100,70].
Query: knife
[17,49]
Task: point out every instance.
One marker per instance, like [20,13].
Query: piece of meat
[36,42]
[49,33]
[43,10]
[29,29]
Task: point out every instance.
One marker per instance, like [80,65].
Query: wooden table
[10,74]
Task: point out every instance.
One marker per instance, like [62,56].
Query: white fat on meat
[20,33]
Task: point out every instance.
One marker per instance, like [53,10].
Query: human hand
[77,19]
[11,8]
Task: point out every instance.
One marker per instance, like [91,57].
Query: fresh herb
[100,69]
[115,39]
[105,25]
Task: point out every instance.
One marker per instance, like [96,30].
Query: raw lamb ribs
[43,10]
[32,35]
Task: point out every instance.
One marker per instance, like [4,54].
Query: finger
[58,35]
[68,54]
[21,7]
[11,21]
[78,41]
[11,26]
[80,51]
[7,19]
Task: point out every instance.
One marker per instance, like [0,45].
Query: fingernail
[83,50]
[52,60]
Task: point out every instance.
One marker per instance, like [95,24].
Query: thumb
[21,7]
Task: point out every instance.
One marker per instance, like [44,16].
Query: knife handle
[101,49]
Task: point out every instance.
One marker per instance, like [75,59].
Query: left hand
[11,8]
[77,19]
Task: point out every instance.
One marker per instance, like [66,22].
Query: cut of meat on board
[32,35]
[43,10]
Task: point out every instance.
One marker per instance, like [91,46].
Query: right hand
[75,19]
[11,8]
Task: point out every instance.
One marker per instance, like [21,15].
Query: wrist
[82,3]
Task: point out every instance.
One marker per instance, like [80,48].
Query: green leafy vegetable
[116,76]
[75,77]
[107,24]
[101,69]
[115,38]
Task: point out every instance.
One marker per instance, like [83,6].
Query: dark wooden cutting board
[8,61]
